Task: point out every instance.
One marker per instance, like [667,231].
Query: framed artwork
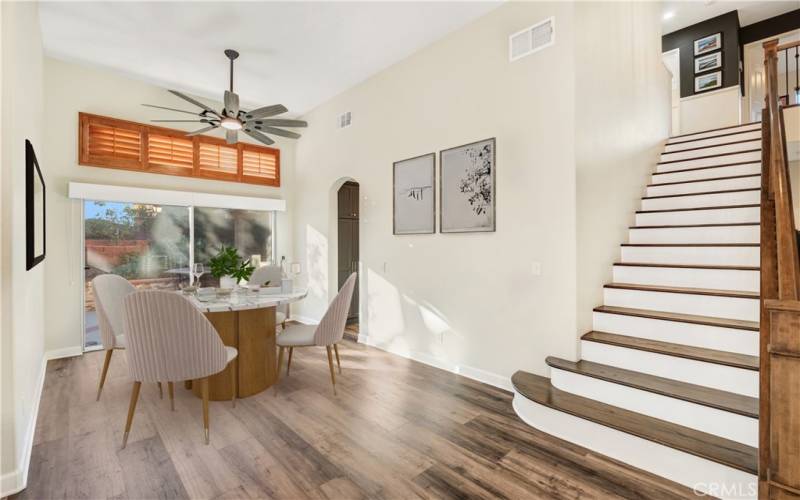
[467,188]
[708,62]
[708,44]
[414,188]
[709,81]
[34,209]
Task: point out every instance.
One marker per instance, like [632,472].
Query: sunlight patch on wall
[317,259]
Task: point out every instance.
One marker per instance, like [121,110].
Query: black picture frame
[395,231]
[33,173]
[442,193]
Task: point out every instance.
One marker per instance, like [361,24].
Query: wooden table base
[252,333]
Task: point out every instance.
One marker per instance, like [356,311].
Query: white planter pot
[227,282]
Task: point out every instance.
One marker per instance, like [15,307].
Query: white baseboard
[478,374]
[17,480]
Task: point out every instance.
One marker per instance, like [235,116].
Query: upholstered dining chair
[109,291]
[272,274]
[327,333]
[170,339]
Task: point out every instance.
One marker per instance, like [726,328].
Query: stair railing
[779,393]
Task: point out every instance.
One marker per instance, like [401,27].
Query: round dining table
[244,320]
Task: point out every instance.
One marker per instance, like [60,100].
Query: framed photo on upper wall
[709,81]
[414,202]
[708,62]
[467,188]
[708,44]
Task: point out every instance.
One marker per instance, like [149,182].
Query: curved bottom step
[708,464]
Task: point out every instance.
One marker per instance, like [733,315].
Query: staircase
[668,380]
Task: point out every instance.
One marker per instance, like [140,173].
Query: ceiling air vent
[533,39]
[344,120]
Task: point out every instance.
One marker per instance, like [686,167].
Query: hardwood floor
[397,429]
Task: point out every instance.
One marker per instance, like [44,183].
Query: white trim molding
[129,194]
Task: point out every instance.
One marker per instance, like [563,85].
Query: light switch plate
[536,268]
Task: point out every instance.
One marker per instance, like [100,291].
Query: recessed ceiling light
[669,14]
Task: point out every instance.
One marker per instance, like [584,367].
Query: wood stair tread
[688,266]
[741,125]
[679,226]
[680,317]
[689,244]
[719,144]
[708,167]
[732,359]
[711,156]
[739,294]
[722,191]
[707,446]
[718,207]
[706,396]
[709,179]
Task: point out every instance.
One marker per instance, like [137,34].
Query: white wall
[21,315]
[710,110]
[622,109]
[70,88]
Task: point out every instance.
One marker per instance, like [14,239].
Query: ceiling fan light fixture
[231,124]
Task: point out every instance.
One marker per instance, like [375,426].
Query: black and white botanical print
[477,181]
[414,195]
[468,188]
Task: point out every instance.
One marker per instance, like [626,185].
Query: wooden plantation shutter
[113,143]
[261,165]
[217,160]
[106,143]
[170,153]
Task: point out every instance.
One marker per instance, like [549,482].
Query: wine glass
[198,270]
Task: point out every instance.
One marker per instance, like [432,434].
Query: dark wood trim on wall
[728,25]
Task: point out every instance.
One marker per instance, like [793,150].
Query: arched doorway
[348,247]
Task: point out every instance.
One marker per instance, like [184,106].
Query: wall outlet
[536,268]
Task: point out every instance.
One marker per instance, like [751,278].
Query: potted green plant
[229,267]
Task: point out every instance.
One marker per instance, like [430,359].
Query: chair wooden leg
[160,391]
[338,363]
[278,371]
[104,372]
[330,365]
[131,410]
[234,367]
[289,363]
[204,390]
[171,392]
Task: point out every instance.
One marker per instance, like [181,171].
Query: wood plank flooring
[397,429]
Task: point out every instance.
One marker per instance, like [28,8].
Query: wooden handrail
[787,45]
[779,346]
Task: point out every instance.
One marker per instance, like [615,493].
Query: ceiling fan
[256,123]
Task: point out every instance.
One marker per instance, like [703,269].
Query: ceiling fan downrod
[232,55]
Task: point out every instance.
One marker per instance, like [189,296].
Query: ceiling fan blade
[231,137]
[266,111]
[172,109]
[277,131]
[193,101]
[231,104]
[182,121]
[202,130]
[281,122]
[259,137]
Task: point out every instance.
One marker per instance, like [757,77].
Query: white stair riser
[710,234]
[707,173]
[678,332]
[713,150]
[695,416]
[684,303]
[699,143]
[703,200]
[684,468]
[708,216]
[719,279]
[715,133]
[705,186]
[722,377]
[721,256]
[708,162]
